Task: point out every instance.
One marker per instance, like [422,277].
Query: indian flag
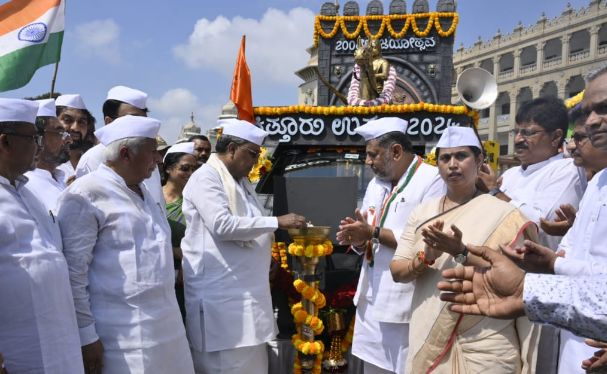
[31,34]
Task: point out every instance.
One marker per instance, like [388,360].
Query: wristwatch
[494,191]
[375,237]
[461,258]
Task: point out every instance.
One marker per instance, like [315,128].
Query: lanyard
[397,190]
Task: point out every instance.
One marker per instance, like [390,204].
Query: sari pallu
[441,341]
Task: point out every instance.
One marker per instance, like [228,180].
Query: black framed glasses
[579,138]
[525,133]
[37,138]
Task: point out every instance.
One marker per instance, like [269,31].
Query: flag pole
[54,80]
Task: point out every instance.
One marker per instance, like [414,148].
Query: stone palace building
[550,57]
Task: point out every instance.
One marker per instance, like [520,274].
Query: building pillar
[560,87]
[496,67]
[535,91]
[594,40]
[517,62]
[540,56]
[492,125]
[565,49]
[511,122]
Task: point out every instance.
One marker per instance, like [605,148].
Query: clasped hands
[354,231]
[439,242]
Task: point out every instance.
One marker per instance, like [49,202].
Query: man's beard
[59,159]
[80,145]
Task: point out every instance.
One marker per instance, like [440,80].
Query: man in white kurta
[544,181]
[117,243]
[121,101]
[38,331]
[47,181]
[402,181]
[226,258]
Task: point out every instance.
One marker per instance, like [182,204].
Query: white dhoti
[381,344]
[162,358]
[241,360]
[573,351]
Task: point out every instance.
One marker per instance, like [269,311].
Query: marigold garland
[386,23]
[297,248]
[279,253]
[371,110]
[575,100]
[346,342]
[261,167]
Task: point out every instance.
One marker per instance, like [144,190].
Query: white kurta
[118,248]
[94,157]
[585,246]
[68,171]
[542,188]
[38,331]
[226,259]
[46,186]
[383,306]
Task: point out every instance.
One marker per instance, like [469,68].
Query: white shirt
[95,157]
[118,248]
[391,300]
[68,171]
[38,332]
[585,246]
[226,282]
[46,186]
[542,188]
[578,304]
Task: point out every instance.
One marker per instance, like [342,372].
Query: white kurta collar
[19,182]
[57,175]
[538,165]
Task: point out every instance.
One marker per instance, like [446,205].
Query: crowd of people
[122,254]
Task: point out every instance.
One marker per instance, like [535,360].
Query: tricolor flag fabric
[31,34]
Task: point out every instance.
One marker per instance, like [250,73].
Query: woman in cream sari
[441,341]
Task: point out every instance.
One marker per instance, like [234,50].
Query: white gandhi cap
[456,136]
[128,127]
[187,147]
[243,130]
[71,101]
[128,95]
[46,108]
[18,110]
[376,128]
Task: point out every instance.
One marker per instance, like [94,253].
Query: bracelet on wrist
[421,256]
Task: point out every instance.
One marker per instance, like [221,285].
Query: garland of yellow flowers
[297,248]
[386,22]
[279,253]
[346,343]
[371,110]
[263,162]
[575,100]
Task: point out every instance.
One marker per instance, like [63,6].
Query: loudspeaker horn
[477,88]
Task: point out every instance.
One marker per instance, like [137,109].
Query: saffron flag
[241,86]
[31,34]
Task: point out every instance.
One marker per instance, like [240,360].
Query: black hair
[548,112]
[41,123]
[395,137]
[198,137]
[170,160]
[225,140]
[111,107]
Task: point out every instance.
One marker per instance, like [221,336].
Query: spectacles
[186,168]
[64,134]
[254,154]
[579,138]
[525,133]
[36,138]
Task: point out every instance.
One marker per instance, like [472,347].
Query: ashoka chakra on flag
[34,32]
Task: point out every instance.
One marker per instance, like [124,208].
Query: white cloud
[174,108]
[275,46]
[99,39]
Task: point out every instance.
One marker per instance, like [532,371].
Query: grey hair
[112,150]
[594,74]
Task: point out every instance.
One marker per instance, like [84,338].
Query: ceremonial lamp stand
[309,244]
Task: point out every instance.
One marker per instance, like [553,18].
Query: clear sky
[182,52]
